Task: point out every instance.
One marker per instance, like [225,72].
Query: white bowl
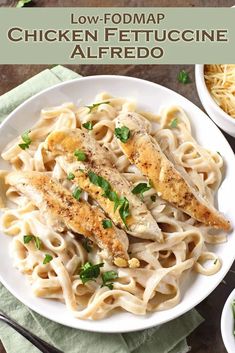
[222,119]
[227,324]
[149,97]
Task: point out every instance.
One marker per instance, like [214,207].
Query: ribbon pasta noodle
[155,285]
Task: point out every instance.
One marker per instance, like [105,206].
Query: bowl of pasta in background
[215,112]
[194,287]
[228,323]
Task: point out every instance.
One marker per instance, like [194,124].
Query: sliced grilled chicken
[61,210]
[143,151]
[63,143]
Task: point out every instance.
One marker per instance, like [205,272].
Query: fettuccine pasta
[155,284]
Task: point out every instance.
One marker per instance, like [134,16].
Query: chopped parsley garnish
[27,140]
[88,125]
[174,123]
[104,184]
[121,202]
[183,77]
[124,209]
[113,196]
[81,156]
[140,189]
[233,309]
[94,178]
[47,259]
[122,133]
[101,182]
[37,241]
[90,272]
[219,153]
[215,262]
[107,278]
[86,243]
[107,223]
[95,105]
[21,3]
[70,176]
[27,238]
[77,193]
[153,198]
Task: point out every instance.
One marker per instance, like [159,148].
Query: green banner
[117,35]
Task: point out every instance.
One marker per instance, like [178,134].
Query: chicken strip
[143,151]
[61,210]
[96,163]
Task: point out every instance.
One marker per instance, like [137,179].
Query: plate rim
[146,324]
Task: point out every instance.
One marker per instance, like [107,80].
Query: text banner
[117,35]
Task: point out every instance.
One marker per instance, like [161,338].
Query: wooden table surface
[207,338]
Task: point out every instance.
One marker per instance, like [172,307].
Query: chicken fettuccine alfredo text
[137,35]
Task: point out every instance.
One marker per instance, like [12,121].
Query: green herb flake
[174,123]
[86,243]
[93,177]
[153,198]
[86,266]
[70,176]
[107,278]
[88,125]
[77,193]
[90,272]
[183,77]
[219,153]
[116,204]
[81,156]
[104,184]
[47,259]
[27,238]
[124,210]
[122,133]
[111,195]
[140,188]
[107,223]
[21,3]
[38,242]
[99,181]
[27,140]
[96,105]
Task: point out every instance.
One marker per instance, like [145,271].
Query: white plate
[150,97]
[227,324]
